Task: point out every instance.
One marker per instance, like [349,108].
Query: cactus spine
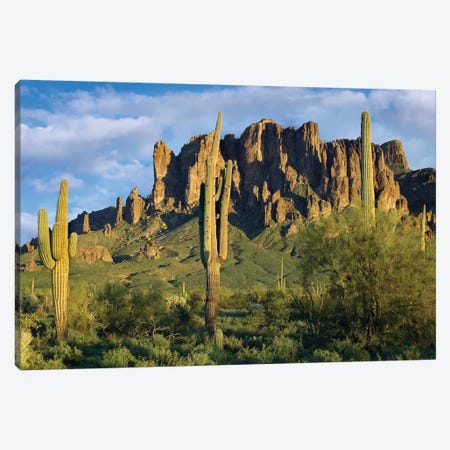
[55,249]
[423,228]
[213,225]
[367,189]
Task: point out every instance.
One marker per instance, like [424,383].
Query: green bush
[324,355]
[281,350]
[118,357]
[351,351]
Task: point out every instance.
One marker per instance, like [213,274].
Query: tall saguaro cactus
[213,221]
[367,188]
[55,249]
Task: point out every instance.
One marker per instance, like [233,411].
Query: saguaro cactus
[55,249]
[218,338]
[213,221]
[281,277]
[367,188]
[423,228]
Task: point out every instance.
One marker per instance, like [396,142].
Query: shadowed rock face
[419,188]
[280,173]
[97,220]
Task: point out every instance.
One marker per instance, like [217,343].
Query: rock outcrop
[30,266]
[86,226]
[119,212]
[148,251]
[178,178]
[133,207]
[94,254]
[28,247]
[395,157]
[107,230]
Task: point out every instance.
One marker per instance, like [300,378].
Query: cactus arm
[73,240]
[219,188]
[44,240]
[224,204]
[58,241]
[201,223]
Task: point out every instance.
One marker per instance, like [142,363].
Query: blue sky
[100,136]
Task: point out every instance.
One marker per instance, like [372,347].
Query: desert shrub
[277,306]
[37,361]
[238,300]
[118,357]
[247,355]
[43,355]
[232,343]
[29,304]
[281,350]
[196,358]
[81,312]
[126,313]
[410,352]
[324,355]
[351,351]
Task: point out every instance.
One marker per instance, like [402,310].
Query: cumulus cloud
[28,226]
[52,185]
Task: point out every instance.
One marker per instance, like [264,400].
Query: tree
[373,282]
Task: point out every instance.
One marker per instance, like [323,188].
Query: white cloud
[28,226]
[53,184]
[71,136]
[114,169]
[415,110]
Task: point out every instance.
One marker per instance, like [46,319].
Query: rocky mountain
[280,176]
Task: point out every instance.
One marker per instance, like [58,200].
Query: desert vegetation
[359,296]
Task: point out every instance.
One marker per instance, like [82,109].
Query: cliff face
[280,174]
[395,157]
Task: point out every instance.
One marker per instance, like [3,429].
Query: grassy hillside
[251,264]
